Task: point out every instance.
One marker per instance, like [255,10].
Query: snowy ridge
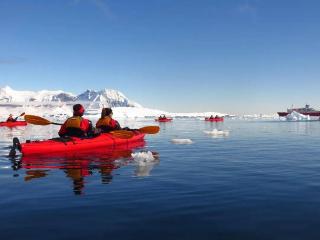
[105,97]
[8,95]
[109,97]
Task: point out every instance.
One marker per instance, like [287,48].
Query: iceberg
[295,116]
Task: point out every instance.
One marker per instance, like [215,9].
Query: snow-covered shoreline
[57,105]
[63,111]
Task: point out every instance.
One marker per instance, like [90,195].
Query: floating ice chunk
[144,162]
[295,116]
[5,167]
[143,158]
[181,141]
[216,132]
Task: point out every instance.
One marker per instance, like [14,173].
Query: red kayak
[73,144]
[96,154]
[13,124]
[220,119]
[163,120]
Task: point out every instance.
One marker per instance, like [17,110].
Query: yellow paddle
[130,134]
[149,129]
[122,134]
[32,119]
[36,120]
[42,121]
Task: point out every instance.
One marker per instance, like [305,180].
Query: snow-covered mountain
[109,97]
[8,95]
[105,97]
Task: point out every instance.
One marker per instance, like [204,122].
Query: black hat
[78,109]
[108,111]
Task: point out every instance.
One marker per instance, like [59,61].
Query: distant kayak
[163,120]
[13,124]
[220,119]
[74,144]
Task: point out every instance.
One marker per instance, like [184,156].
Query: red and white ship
[307,110]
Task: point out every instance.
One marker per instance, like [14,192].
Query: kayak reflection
[77,166]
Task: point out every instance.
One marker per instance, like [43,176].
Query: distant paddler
[12,119]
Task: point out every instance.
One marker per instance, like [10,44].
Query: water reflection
[143,170]
[78,166]
[9,133]
[145,162]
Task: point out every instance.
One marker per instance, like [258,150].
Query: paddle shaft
[16,118]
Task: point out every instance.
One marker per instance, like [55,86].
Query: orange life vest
[104,122]
[74,122]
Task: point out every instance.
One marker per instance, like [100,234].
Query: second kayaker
[76,126]
[106,123]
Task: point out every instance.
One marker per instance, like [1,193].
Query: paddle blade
[36,120]
[22,114]
[149,129]
[122,134]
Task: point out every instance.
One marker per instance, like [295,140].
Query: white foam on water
[181,141]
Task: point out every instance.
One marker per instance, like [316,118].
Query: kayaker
[106,123]
[162,116]
[216,116]
[76,126]
[211,117]
[10,118]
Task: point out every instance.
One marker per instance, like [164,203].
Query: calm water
[260,182]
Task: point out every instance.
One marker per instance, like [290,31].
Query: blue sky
[236,56]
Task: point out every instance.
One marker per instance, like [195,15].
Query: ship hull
[311,114]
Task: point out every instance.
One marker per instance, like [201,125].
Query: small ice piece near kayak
[144,162]
[216,132]
[6,167]
[143,158]
[181,141]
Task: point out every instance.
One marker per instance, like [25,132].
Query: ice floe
[143,158]
[181,141]
[216,132]
[144,162]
